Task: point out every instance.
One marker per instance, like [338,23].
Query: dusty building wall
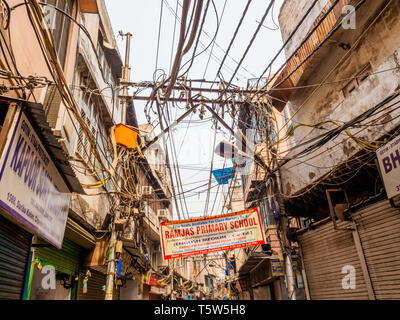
[290,15]
[22,37]
[380,48]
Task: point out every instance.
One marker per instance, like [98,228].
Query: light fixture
[227,150]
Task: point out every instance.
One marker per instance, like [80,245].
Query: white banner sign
[229,231]
[28,180]
[389,163]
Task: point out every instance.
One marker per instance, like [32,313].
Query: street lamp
[227,150]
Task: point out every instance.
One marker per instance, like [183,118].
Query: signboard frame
[229,217]
[277,268]
[36,178]
[389,166]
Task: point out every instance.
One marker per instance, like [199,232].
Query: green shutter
[66,260]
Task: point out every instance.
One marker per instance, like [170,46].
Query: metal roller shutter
[94,286]
[326,251]
[66,260]
[14,252]
[379,229]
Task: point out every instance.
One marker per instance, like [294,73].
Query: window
[105,69]
[59,24]
[244,181]
[269,214]
[289,126]
[273,133]
[90,117]
[287,119]
[358,79]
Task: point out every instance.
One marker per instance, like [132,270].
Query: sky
[194,141]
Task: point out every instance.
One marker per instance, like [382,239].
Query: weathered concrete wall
[291,13]
[380,48]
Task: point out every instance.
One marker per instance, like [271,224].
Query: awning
[37,116]
[79,235]
[88,6]
[252,262]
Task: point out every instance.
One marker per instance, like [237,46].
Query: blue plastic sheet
[223,175]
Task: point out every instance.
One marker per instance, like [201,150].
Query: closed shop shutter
[326,251]
[262,293]
[94,286]
[379,229]
[67,260]
[14,253]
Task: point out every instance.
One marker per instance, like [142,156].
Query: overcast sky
[194,143]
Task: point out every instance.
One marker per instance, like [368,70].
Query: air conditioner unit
[162,213]
[147,190]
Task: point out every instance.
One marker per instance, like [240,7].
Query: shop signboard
[32,189]
[389,163]
[211,234]
[152,279]
[277,268]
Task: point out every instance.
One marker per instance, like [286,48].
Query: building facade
[88,196]
[340,88]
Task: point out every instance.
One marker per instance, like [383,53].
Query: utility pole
[111,256]
[126,74]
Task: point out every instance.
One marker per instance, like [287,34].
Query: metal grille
[81,136]
[379,229]
[94,286]
[326,251]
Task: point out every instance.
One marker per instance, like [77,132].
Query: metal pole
[304,274]
[125,75]
[111,265]
[364,267]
